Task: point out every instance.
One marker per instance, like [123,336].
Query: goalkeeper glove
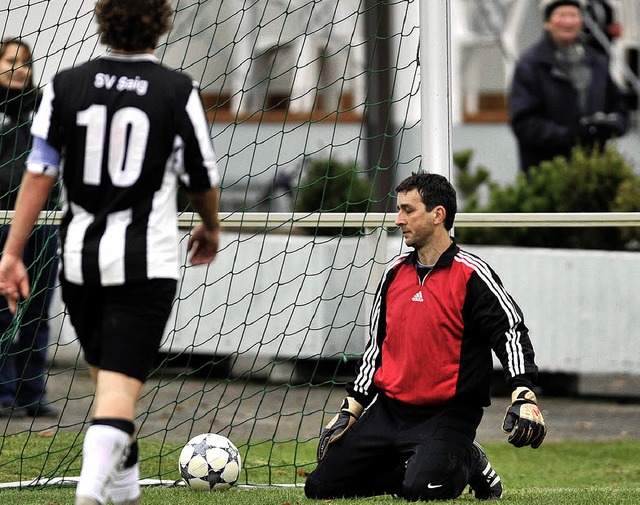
[524,416]
[338,426]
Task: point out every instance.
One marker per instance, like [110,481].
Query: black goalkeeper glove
[524,418]
[338,426]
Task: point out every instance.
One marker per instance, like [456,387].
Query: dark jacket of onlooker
[544,111]
[17,107]
[16,110]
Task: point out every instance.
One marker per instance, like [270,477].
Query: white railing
[377,219]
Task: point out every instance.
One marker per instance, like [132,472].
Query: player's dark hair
[435,190]
[4,46]
[132,25]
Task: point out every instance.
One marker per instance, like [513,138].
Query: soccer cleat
[484,481]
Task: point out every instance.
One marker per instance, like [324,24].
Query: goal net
[314,115]
[312,111]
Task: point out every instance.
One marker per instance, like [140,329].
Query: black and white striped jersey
[127,129]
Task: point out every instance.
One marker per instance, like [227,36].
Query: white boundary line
[73,481]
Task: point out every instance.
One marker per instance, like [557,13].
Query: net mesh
[308,113]
[313,110]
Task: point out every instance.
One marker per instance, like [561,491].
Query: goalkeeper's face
[413,218]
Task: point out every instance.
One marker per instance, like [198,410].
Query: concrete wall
[279,296]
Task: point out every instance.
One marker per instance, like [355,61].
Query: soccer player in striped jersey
[408,424]
[122,131]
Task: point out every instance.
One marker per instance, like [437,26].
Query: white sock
[125,485]
[104,450]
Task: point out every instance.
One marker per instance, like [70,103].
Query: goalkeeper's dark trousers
[418,453]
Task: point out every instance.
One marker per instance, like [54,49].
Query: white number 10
[128,137]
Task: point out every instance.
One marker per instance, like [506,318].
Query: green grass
[558,473]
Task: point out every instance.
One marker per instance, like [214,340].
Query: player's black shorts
[120,327]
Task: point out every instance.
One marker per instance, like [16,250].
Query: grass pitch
[558,473]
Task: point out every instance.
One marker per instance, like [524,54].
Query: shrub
[331,186]
[587,182]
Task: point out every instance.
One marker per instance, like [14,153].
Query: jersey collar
[129,57]
[444,260]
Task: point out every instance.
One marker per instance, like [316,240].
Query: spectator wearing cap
[562,93]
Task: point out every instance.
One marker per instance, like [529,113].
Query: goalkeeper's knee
[315,489]
[444,483]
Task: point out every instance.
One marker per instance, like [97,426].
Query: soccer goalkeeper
[408,424]
[122,131]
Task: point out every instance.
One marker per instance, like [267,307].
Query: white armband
[43,158]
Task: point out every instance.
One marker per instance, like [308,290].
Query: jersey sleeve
[43,158]
[41,125]
[362,388]
[200,168]
[500,319]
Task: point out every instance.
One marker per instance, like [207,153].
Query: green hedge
[587,182]
[331,186]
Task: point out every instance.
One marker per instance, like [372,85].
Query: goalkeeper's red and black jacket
[431,341]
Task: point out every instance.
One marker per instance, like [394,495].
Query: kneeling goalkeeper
[408,424]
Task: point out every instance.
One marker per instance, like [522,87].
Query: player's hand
[524,419]
[349,413]
[203,245]
[14,280]
[598,128]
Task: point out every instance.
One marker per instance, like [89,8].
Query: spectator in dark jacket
[562,93]
[23,346]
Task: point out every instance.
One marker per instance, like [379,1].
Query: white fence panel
[580,306]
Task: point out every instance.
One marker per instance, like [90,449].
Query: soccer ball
[210,462]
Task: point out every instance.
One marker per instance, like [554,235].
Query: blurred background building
[288,80]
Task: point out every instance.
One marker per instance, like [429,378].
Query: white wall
[580,306]
[284,296]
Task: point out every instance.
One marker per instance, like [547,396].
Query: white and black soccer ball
[210,462]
